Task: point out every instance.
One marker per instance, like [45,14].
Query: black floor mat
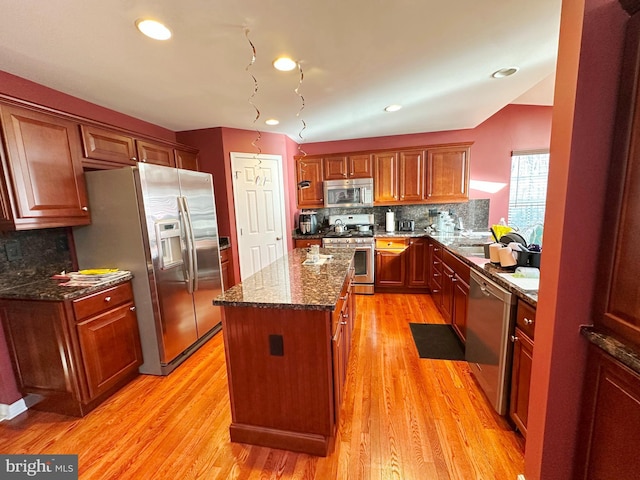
[437,341]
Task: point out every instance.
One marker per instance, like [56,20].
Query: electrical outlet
[12,249]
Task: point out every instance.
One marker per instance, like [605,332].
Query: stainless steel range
[358,234]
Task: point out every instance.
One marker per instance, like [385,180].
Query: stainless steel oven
[364,245]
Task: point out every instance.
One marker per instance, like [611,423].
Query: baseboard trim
[7,412]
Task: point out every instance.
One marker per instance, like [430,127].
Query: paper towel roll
[494,252]
[390,221]
[506,257]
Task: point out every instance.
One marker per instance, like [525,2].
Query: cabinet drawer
[102,300]
[391,243]
[526,318]
[224,255]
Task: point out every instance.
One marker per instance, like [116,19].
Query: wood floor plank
[402,418]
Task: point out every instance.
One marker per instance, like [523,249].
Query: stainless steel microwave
[355,192]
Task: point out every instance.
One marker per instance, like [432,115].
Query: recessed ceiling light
[153,29]
[505,72]
[272,121]
[284,64]
[392,108]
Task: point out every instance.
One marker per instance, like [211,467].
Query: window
[528,193]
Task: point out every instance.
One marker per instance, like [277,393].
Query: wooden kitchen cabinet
[610,420]
[348,166]
[106,145]
[385,178]
[460,306]
[310,169]
[42,182]
[399,177]
[448,174]
[307,242]
[342,333]
[226,265]
[521,367]
[418,272]
[73,353]
[187,159]
[158,154]
[391,263]
[434,269]
[412,176]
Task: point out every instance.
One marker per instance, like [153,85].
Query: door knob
[278,238]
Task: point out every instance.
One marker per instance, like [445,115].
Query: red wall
[515,127]
[589,59]
[33,92]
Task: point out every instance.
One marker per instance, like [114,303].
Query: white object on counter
[506,257]
[527,284]
[494,252]
[390,221]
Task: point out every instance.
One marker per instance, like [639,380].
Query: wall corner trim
[7,412]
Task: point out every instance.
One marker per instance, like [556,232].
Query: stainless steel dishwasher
[488,350]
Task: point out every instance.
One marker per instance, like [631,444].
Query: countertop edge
[613,347]
[51,290]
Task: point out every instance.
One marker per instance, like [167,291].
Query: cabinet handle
[344,298]
[435,291]
[134,159]
[107,299]
[85,209]
[454,279]
[514,339]
[133,309]
[528,321]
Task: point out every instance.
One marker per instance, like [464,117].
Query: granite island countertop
[288,284]
[37,285]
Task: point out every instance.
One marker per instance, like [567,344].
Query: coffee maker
[307,223]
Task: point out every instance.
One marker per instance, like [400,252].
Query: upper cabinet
[155,153]
[310,170]
[399,177]
[42,182]
[187,159]
[385,178]
[108,145]
[348,166]
[448,174]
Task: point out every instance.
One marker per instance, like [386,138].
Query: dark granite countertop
[41,287]
[288,284]
[613,347]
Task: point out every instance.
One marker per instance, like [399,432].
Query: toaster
[406,225]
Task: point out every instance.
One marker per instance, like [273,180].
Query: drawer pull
[133,309]
[107,299]
[344,298]
[514,339]
[528,321]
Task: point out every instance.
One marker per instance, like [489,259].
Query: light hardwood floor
[403,418]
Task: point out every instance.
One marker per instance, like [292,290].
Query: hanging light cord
[304,125]
[254,143]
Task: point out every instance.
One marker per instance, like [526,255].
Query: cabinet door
[607,446]
[337,346]
[102,144]
[412,176]
[460,305]
[335,168]
[390,268]
[385,180]
[418,263]
[155,153]
[448,174]
[520,380]
[310,169]
[360,166]
[110,347]
[306,243]
[45,170]
[446,304]
[187,159]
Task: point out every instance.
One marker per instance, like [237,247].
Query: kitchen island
[287,332]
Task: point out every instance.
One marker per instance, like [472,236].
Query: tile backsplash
[42,251]
[474,213]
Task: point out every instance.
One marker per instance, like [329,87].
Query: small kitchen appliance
[308,223]
[406,225]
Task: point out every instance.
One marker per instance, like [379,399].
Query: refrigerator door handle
[192,242]
[186,220]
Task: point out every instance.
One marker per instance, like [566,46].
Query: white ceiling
[435,57]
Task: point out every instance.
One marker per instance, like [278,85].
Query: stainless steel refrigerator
[159,223]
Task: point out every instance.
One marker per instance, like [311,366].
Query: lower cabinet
[401,264]
[73,353]
[521,367]
[342,333]
[307,242]
[226,266]
[610,420]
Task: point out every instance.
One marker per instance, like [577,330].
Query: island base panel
[311,444]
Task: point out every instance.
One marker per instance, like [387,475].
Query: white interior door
[258,194]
